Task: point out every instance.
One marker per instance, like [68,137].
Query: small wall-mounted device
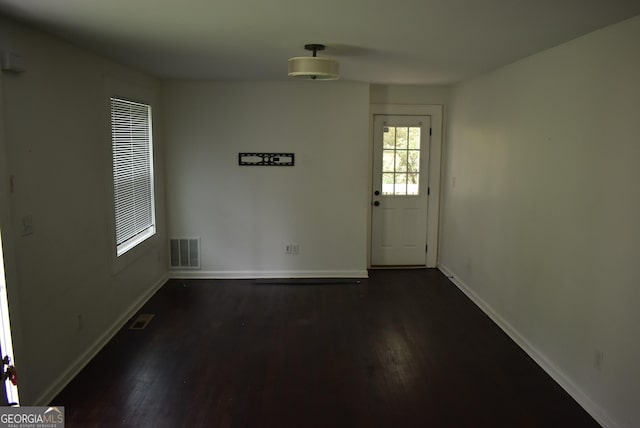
[11,61]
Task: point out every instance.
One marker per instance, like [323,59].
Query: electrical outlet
[292,248]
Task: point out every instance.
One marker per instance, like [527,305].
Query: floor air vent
[141,322]
[184,253]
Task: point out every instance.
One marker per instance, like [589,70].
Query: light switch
[27,225]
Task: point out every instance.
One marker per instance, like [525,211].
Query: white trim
[6,342]
[435,166]
[133,242]
[74,369]
[542,360]
[142,94]
[185,274]
[132,159]
[10,316]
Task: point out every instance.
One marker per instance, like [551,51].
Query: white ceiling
[400,41]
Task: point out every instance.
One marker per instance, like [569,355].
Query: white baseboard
[75,368]
[545,363]
[198,274]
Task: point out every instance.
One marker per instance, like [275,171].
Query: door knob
[376,203]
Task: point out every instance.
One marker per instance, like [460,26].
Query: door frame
[14,340]
[435,162]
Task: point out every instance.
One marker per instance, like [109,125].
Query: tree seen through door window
[401,160]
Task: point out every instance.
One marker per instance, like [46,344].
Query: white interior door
[400,191]
[6,345]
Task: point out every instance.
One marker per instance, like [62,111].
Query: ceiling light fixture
[313,67]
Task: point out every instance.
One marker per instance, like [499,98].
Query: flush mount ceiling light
[313,67]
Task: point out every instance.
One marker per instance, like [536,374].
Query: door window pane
[389,140]
[400,187]
[387,183]
[413,161]
[388,158]
[414,138]
[412,183]
[402,135]
[401,160]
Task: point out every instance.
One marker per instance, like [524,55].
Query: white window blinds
[132,173]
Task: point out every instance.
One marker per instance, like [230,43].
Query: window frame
[152,250]
[149,231]
[395,151]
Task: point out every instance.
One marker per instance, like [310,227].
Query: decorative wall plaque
[266,159]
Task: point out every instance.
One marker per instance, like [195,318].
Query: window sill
[134,242]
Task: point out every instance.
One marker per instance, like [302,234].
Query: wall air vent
[141,322]
[184,253]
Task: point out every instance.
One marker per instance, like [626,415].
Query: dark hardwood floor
[404,348]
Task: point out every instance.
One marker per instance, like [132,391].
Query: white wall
[410,94]
[56,132]
[245,215]
[541,209]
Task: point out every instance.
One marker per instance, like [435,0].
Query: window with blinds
[132,152]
